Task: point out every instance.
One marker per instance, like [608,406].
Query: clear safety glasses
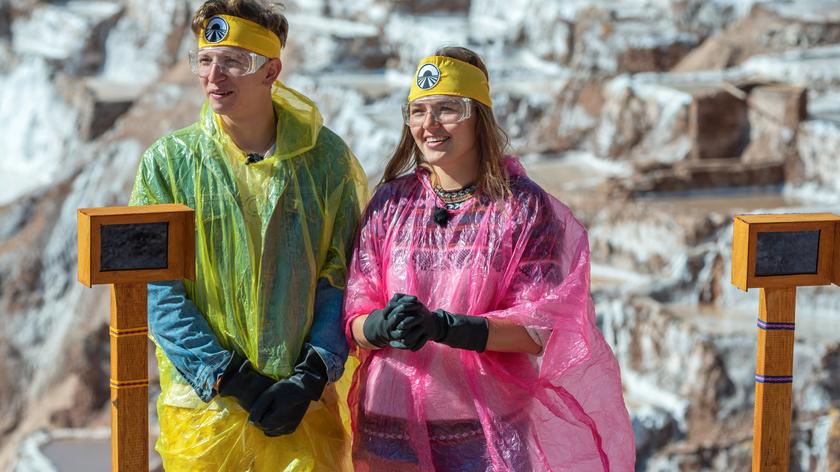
[230,61]
[444,110]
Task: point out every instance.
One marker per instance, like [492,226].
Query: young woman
[468,300]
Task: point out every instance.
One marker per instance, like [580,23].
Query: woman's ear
[272,71]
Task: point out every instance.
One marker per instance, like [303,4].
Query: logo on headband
[428,76]
[216,30]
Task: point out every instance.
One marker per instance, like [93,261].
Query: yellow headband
[226,30]
[441,75]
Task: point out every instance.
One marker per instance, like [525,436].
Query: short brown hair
[490,138]
[264,13]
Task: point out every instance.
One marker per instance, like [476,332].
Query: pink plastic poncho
[524,259]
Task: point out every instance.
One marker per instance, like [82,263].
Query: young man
[247,352]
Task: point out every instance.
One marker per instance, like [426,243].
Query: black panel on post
[787,253]
[141,246]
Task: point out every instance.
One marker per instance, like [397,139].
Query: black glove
[460,331]
[280,409]
[379,325]
[242,382]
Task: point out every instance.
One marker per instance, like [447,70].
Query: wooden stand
[128,247]
[777,253]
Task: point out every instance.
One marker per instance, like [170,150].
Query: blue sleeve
[327,334]
[186,338]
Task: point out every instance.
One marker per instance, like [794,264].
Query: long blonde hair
[490,138]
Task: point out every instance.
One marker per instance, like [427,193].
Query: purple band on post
[769,326]
[775,379]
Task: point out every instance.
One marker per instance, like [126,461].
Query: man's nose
[216,73]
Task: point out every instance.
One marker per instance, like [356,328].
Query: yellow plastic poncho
[265,233]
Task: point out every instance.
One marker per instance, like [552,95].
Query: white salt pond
[73,450]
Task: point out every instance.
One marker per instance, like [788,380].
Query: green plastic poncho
[265,233]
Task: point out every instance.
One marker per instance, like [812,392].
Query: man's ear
[272,71]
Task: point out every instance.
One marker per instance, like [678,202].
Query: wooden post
[129,378]
[773,379]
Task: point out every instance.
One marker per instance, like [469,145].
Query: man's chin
[218,107]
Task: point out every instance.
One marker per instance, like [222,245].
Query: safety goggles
[445,110]
[230,61]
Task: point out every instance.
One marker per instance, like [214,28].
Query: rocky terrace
[654,120]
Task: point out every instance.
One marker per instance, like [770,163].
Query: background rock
[655,121]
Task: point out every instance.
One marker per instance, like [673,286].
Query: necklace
[453,199]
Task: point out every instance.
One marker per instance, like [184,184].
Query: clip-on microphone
[253,158]
[441,216]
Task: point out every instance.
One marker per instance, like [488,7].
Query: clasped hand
[276,407]
[405,323]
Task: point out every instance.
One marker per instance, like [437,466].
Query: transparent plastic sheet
[216,436]
[263,237]
[525,259]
